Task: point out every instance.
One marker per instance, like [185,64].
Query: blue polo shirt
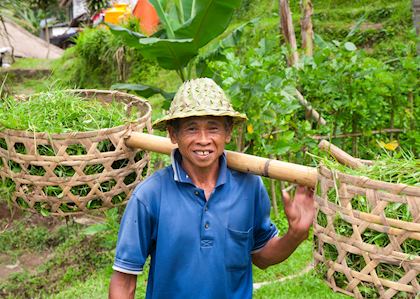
[198,248]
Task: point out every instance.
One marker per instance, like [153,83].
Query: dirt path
[27,261]
[13,263]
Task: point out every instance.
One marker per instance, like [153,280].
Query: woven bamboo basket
[346,239]
[87,171]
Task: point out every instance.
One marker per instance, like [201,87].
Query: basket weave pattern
[199,97]
[101,175]
[372,259]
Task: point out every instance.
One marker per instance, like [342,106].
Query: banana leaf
[144,90]
[171,54]
[201,67]
[130,38]
[211,19]
[206,20]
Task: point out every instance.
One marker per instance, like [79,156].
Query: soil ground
[29,261]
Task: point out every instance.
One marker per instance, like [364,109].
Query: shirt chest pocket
[237,249]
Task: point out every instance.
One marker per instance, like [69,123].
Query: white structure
[25,44]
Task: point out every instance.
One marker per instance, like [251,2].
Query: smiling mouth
[203,153]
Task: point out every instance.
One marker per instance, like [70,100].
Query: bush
[97,60]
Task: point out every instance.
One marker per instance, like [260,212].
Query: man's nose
[203,137]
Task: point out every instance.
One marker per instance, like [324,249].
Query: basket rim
[86,134]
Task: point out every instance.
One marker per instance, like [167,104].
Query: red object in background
[146,13]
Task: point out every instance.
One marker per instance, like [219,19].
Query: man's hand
[300,211]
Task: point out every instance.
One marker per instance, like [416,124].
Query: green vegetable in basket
[401,167]
[61,112]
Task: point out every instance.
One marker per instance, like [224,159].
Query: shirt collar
[180,174]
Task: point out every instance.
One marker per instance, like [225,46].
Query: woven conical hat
[199,97]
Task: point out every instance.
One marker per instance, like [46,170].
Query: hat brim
[162,123]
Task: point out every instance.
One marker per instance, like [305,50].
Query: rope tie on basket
[266,166]
[128,131]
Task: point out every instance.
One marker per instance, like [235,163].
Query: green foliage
[7,188]
[261,85]
[357,93]
[296,263]
[96,286]
[21,238]
[97,60]
[95,6]
[43,4]
[32,63]
[108,230]
[25,14]
[308,285]
[59,112]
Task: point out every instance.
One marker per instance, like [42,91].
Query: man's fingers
[285,197]
[300,190]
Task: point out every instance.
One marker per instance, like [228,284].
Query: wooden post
[279,170]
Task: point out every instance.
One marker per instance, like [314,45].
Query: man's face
[201,140]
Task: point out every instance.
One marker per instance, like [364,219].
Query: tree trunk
[8,38]
[306,24]
[286,25]
[47,37]
[312,112]
[416,20]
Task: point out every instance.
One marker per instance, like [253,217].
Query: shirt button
[206,208]
[206,226]
[196,193]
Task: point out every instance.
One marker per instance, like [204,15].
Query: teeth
[203,153]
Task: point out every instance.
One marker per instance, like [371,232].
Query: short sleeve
[264,229]
[134,237]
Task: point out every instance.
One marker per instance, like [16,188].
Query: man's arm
[300,213]
[123,286]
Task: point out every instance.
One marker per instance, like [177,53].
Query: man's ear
[172,134]
[228,135]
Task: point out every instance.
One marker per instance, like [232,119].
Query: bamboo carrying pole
[342,157]
[275,169]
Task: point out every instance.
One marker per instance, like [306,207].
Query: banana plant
[186,26]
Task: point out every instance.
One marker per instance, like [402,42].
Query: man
[202,223]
